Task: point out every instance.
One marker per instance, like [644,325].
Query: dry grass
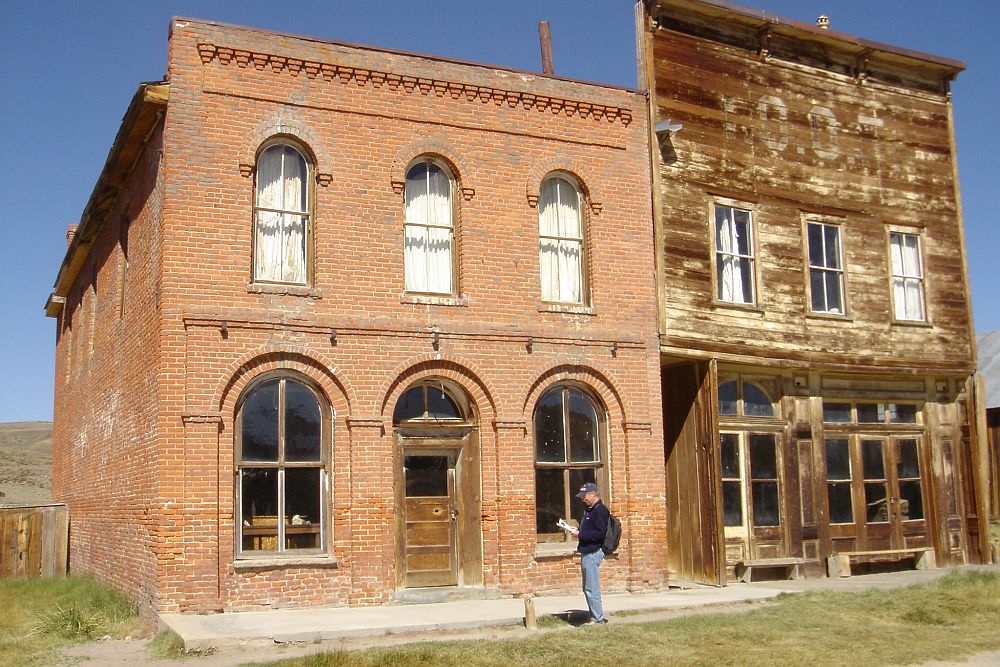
[41,614]
[956,615]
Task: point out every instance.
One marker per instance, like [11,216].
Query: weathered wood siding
[790,140]
[33,541]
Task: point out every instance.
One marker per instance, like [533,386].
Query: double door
[875,492]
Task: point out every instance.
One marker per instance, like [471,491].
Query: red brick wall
[502,132]
[106,394]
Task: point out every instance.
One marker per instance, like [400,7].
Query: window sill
[575,309]
[431,300]
[912,323]
[748,307]
[273,563]
[284,290]
[836,317]
[554,550]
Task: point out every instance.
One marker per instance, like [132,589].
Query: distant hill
[25,463]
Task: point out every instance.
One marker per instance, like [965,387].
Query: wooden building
[989,371]
[817,354]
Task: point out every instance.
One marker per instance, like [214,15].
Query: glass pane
[911,504]
[909,464]
[839,496]
[871,413]
[832,246]
[410,405]
[763,457]
[834,302]
[732,504]
[742,226]
[302,508]
[877,509]
[730,449]
[260,423]
[902,413]
[440,405]
[755,402]
[577,478]
[837,413]
[817,290]
[727,398]
[550,505]
[765,503]
[303,424]
[259,505]
[815,244]
[582,428]
[724,241]
[746,278]
[426,476]
[549,447]
[871,459]
[838,460]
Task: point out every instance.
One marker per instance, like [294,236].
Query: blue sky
[70,69]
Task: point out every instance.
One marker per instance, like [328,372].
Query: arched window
[428,230]
[282,458]
[569,444]
[560,237]
[429,402]
[737,397]
[281,216]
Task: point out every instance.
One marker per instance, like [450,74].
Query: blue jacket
[593,528]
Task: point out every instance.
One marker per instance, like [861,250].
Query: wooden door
[891,492]
[430,514]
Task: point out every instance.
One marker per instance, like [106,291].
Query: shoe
[600,622]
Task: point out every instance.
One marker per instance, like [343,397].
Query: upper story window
[281,216]
[826,268]
[560,237]
[734,255]
[428,231]
[282,456]
[907,277]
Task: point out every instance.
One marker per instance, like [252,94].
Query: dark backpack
[613,536]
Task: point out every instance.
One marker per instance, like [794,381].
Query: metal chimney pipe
[823,22]
[546,42]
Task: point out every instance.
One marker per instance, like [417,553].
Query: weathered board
[34,541]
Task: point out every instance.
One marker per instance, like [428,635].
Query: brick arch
[480,391]
[602,383]
[587,180]
[316,367]
[282,124]
[434,146]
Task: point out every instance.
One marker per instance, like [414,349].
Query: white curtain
[907,277]
[730,276]
[428,230]
[280,233]
[560,232]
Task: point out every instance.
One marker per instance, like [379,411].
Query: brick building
[341,324]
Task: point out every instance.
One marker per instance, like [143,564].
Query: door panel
[429,508]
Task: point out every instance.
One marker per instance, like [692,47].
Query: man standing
[591,532]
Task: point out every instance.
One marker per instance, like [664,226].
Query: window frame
[810,268]
[754,245]
[308,214]
[583,208]
[921,279]
[768,386]
[602,475]
[453,188]
[324,465]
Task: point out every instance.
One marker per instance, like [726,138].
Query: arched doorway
[439,532]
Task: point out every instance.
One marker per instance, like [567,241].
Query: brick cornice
[360,76]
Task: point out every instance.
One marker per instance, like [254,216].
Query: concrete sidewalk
[331,623]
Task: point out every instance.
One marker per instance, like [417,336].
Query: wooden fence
[34,540]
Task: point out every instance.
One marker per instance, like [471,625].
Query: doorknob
[454,514]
